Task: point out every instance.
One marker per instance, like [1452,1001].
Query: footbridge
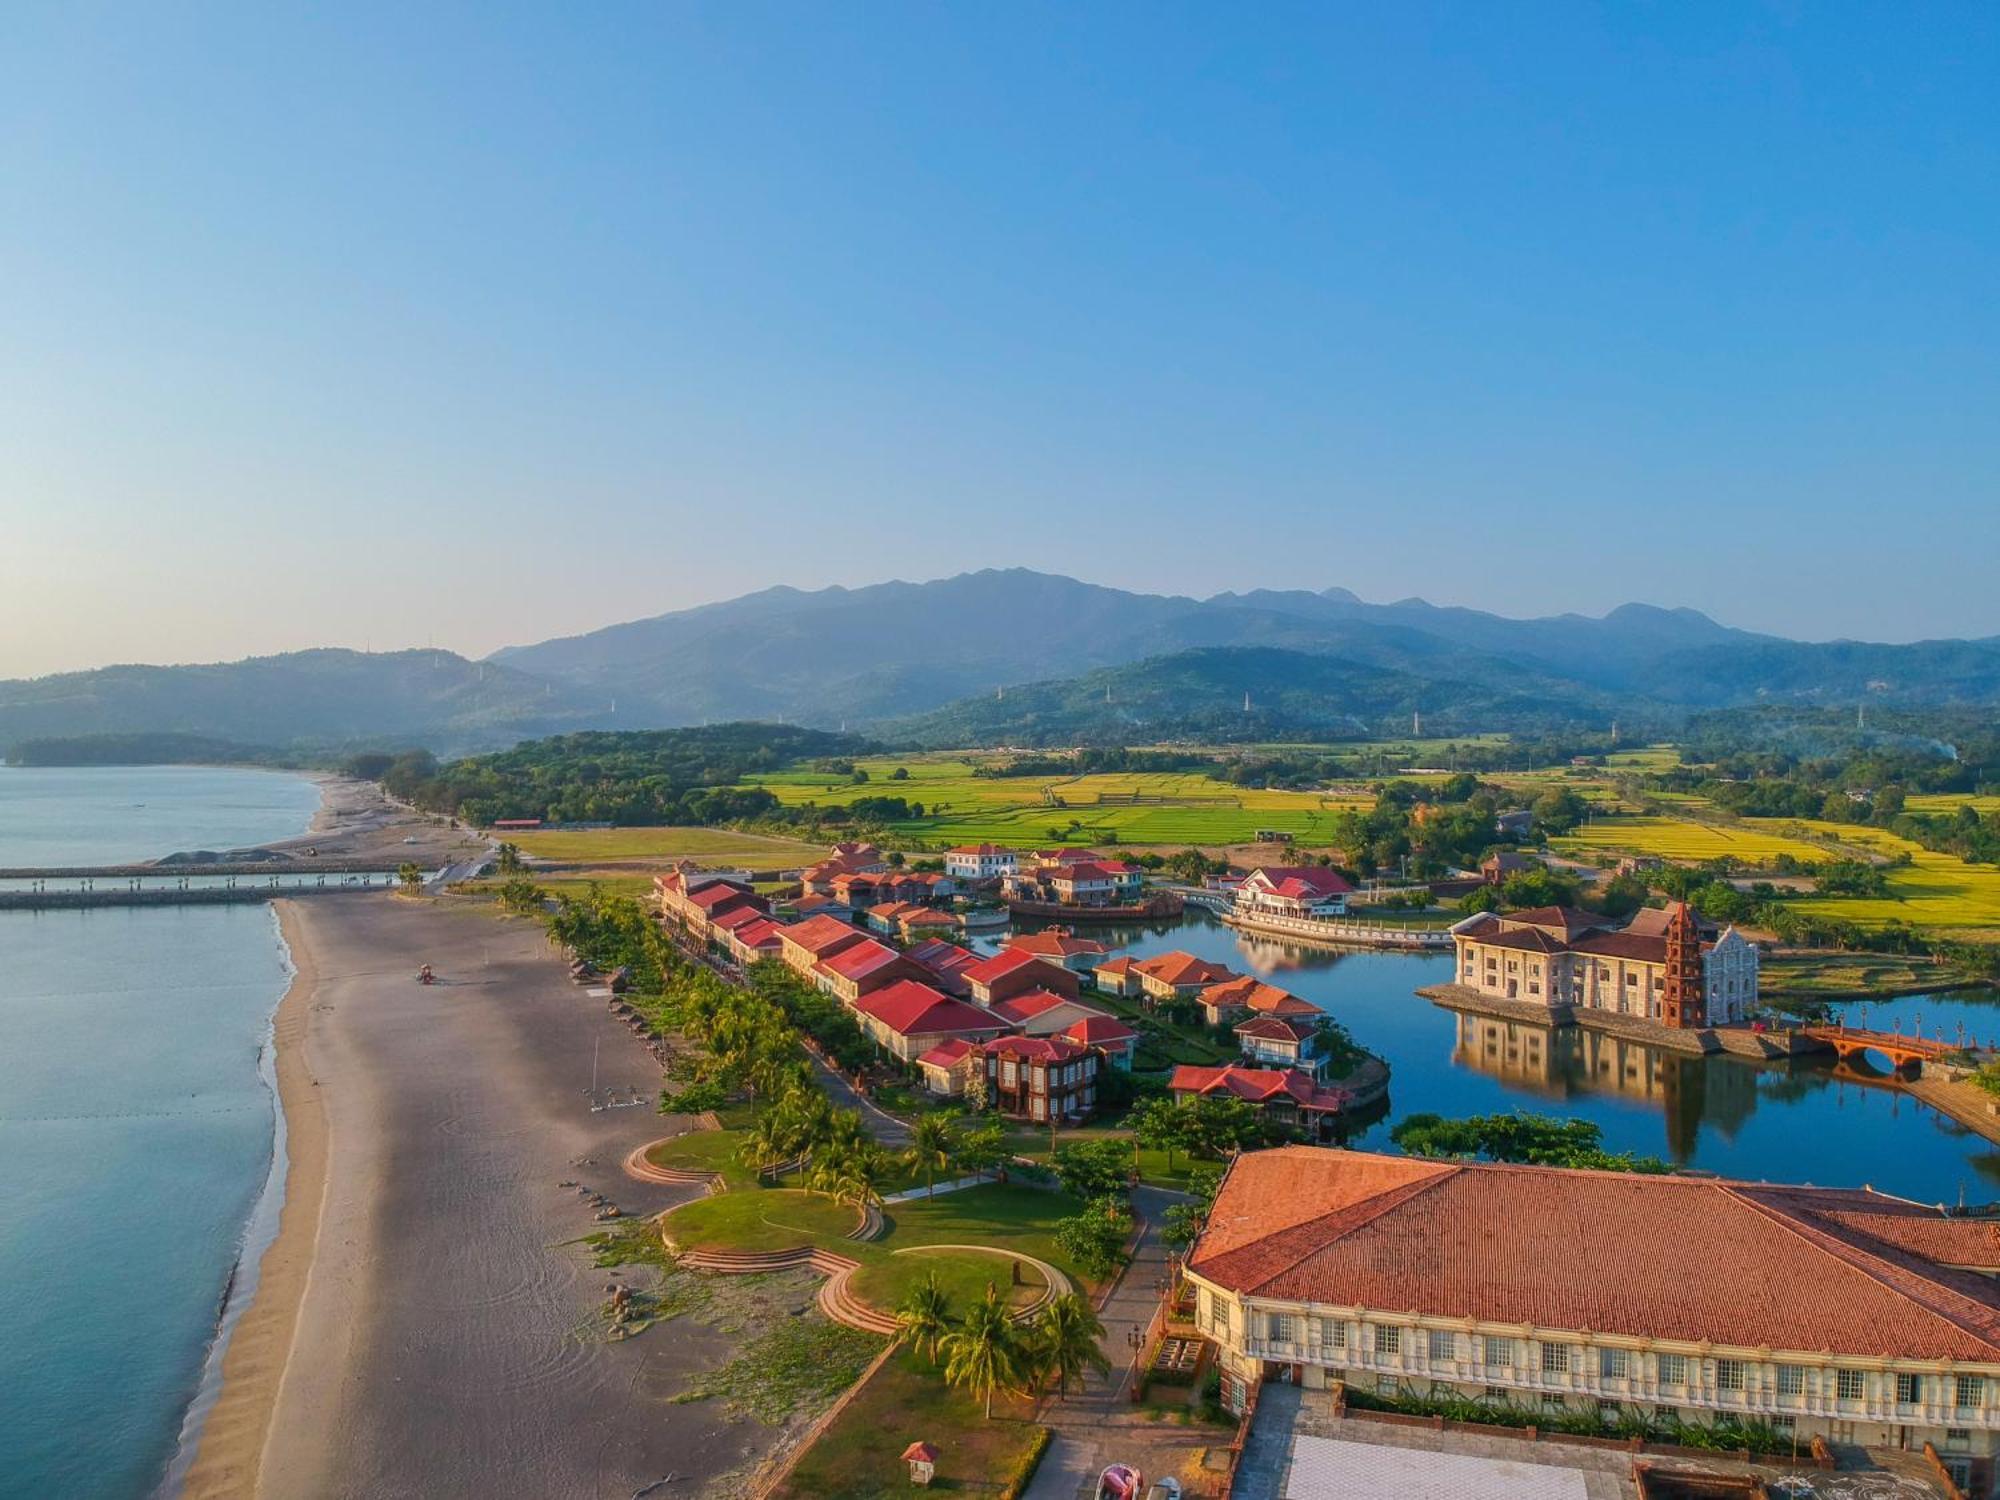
[1904,1052]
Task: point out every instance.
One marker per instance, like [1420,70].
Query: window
[1849,1385]
[1607,1412]
[1332,1333]
[1388,1340]
[1958,1436]
[1968,1392]
[1666,1416]
[1791,1380]
[1443,1389]
[1909,1389]
[1494,1393]
[1673,1369]
[1499,1352]
[1613,1364]
[1729,1374]
[1281,1328]
[1555,1359]
[1385,1385]
[1551,1401]
[1443,1344]
[1782,1425]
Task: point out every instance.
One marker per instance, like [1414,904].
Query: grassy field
[1841,976]
[1940,892]
[859,1456]
[1006,1216]
[717,846]
[1933,803]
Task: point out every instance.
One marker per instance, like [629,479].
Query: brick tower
[1685,1000]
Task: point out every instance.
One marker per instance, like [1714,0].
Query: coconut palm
[1064,1342]
[933,1147]
[924,1317]
[411,876]
[983,1354]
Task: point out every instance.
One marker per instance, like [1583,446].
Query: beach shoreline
[229,1450]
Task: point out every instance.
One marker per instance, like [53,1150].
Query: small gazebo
[922,1459]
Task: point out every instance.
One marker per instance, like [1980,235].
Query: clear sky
[385,325]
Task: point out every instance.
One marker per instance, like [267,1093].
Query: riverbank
[429,1321]
[232,1436]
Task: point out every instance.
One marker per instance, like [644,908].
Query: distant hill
[898,653]
[1201,695]
[316,699]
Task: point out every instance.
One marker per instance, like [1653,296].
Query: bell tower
[1685,1000]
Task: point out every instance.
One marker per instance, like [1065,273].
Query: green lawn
[706,1151]
[1006,1216]
[859,1456]
[1153,1168]
[717,846]
[963,1275]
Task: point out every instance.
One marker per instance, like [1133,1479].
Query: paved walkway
[1101,1425]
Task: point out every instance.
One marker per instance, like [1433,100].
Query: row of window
[1967,1392]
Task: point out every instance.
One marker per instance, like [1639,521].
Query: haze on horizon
[379,327]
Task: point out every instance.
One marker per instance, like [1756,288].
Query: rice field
[720,846]
[1934,803]
[1936,891]
[1684,841]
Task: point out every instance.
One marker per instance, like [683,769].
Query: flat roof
[1329,1469]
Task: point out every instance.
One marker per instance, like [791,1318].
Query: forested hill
[634,777]
[301,700]
[1201,695]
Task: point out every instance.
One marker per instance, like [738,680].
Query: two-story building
[804,945]
[1080,955]
[1282,1042]
[1666,966]
[1310,892]
[1079,883]
[1177,976]
[1822,1312]
[979,863]
[1247,995]
[1289,1097]
[1040,1078]
[907,1019]
[1011,972]
[856,969]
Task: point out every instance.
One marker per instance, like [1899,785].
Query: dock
[1703,1041]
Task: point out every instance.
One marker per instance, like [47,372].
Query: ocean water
[137,1121]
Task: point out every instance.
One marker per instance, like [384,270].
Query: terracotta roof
[988,849]
[821,935]
[1098,1031]
[1566,920]
[1251,993]
[1276,1028]
[738,916]
[920,1453]
[1119,965]
[1055,943]
[1258,1085]
[1687,1259]
[926,916]
[911,1009]
[714,893]
[948,1054]
[1183,968]
[1039,1048]
[1300,881]
[937,955]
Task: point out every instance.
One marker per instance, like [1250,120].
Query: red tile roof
[948,1054]
[1001,964]
[1024,1007]
[1035,1048]
[1098,1031]
[859,960]
[1054,942]
[1276,1028]
[715,893]
[1259,1085]
[1120,965]
[939,956]
[762,933]
[911,1009]
[1301,882]
[1251,993]
[1687,1259]
[738,916]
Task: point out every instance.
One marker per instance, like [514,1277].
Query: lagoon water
[136,1128]
[1805,1122]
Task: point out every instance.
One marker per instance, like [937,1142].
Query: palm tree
[924,1318]
[933,1146]
[410,875]
[983,1353]
[1065,1342]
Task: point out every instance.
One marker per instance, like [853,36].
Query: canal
[1795,1123]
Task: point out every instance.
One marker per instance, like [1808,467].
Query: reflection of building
[1823,1312]
[1664,966]
[1558,1062]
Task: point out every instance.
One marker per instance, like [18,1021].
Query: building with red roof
[944,962]
[1106,1035]
[1081,883]
[1059,945]
[1040,1078]
[971,863]
[1311,892]
[1668,967]
[1178,975]
[756,940]
[1249,995]
[1116,976]
[949,1066]
[1833,1313]
[807,943]
[851,971]
[1283,1042]
[1011,972]
[1043,1012]
[1289,1097]
[908,1019]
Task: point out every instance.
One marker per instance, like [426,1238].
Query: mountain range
[899,658]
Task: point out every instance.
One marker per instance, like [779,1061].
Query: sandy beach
[424,1323]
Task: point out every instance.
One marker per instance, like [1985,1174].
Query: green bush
[1024,1473]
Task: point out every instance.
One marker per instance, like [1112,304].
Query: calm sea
[136,1120]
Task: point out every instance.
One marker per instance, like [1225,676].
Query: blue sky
[386,325]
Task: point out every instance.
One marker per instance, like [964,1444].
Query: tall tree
[933,1147]
[1066,1342]
[983,1354]
[924,1318]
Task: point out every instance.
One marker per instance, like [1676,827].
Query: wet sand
[425,1325]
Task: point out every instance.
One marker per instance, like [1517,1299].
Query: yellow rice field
[1685,841]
